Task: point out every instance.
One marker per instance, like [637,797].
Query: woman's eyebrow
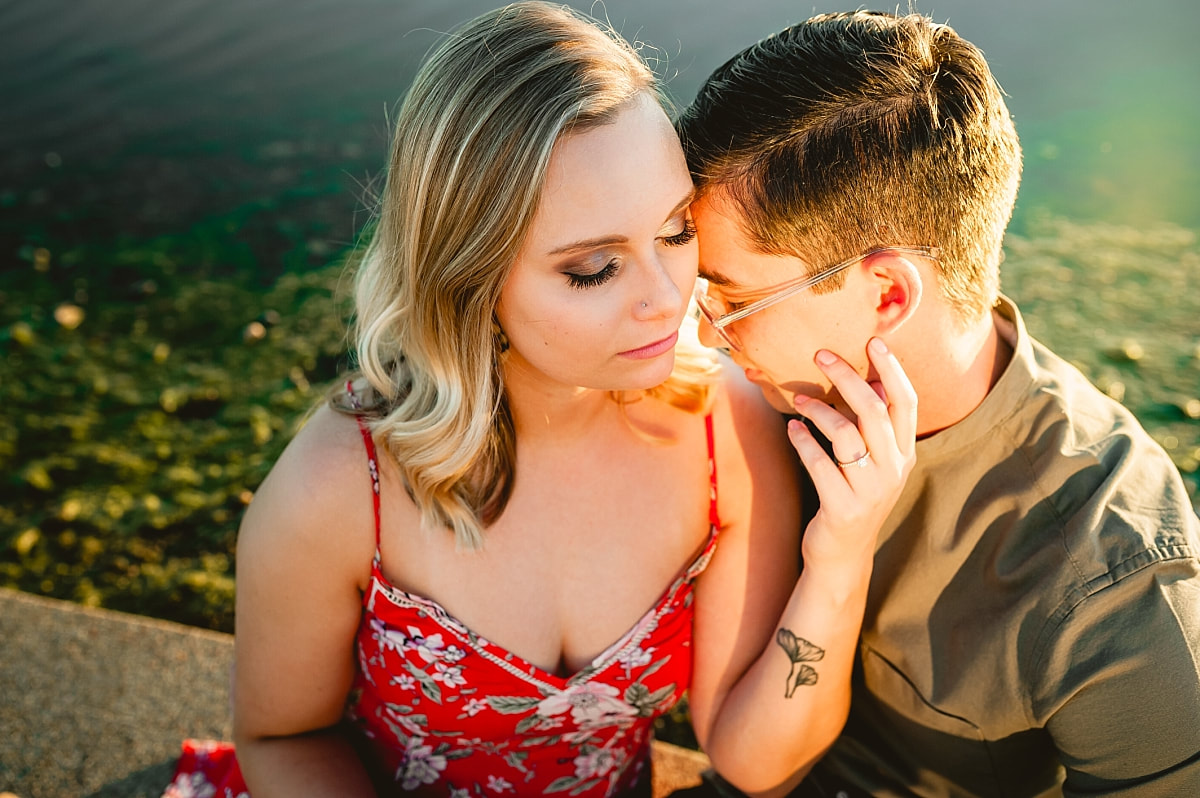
[589,243]
[604,241]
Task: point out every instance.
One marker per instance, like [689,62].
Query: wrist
[839,576]
[837,558]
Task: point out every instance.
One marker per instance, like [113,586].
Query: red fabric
[207,769]
[448,713]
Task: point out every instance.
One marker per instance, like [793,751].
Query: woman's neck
[542,409]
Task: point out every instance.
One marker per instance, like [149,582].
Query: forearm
[791,704]
[321,763]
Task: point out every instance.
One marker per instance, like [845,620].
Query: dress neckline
[644,624]
[514,662]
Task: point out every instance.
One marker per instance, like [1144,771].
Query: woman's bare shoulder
[317,498]
[303,563]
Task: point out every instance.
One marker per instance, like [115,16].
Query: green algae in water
[1120,303]
[133,440]
[132,443]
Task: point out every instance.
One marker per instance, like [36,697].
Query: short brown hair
[856,130]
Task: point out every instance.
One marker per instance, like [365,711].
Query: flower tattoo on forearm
[799,651]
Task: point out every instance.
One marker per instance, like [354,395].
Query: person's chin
[652,375]
[783,397]
[777,398]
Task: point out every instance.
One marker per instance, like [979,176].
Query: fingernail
[878,346]
[826,358]
[793,425]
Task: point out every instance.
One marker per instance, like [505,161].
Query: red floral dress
[447,713]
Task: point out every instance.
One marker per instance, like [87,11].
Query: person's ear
[899,284]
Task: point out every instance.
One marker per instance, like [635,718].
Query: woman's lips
[653,350]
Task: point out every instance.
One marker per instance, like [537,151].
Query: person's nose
[659,297]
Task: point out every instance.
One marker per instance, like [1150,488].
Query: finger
[826,476]
[898,394]
[848,443]
[874,421]
[877,386]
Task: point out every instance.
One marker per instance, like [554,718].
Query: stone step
[94,703]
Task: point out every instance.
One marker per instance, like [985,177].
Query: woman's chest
[578,557]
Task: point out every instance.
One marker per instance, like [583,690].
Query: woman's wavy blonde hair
[471,146]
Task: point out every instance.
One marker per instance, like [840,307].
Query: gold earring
[499,336]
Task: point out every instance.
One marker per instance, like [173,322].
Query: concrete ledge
[95,703]
[675,768]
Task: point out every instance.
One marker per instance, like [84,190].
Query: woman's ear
[900,285]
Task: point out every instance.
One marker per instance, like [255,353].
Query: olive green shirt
[1033,621]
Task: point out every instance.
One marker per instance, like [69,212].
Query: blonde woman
[479,569]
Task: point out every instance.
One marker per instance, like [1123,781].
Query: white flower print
[430,648]
[592,706]
[498,784]
[458,792]
[205,748]
[595,763]
[640,631]
[474,706]
[405,681]
[636,658]
[453,654]
[419,766]
[389,639]
[450,676]
[190,785]
[614,714]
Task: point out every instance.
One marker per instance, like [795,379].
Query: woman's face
[597,294]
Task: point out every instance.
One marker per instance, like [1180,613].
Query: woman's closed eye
[684,236]
[578,279]
[597,278]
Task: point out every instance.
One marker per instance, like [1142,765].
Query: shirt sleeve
[1117,686]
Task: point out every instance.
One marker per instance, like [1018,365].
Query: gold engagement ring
[861,462]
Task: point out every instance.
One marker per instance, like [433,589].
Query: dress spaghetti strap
[372,459]
[714,517]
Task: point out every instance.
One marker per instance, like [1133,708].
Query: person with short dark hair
[1033,620]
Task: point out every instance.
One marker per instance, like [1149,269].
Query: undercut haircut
[858,130]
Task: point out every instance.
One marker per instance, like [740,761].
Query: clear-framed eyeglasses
[721,313]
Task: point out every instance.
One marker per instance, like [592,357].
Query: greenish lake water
[178,183]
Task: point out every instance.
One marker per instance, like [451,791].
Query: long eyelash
[683,237]
[592,280]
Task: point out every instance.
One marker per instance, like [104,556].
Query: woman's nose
[660,297]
